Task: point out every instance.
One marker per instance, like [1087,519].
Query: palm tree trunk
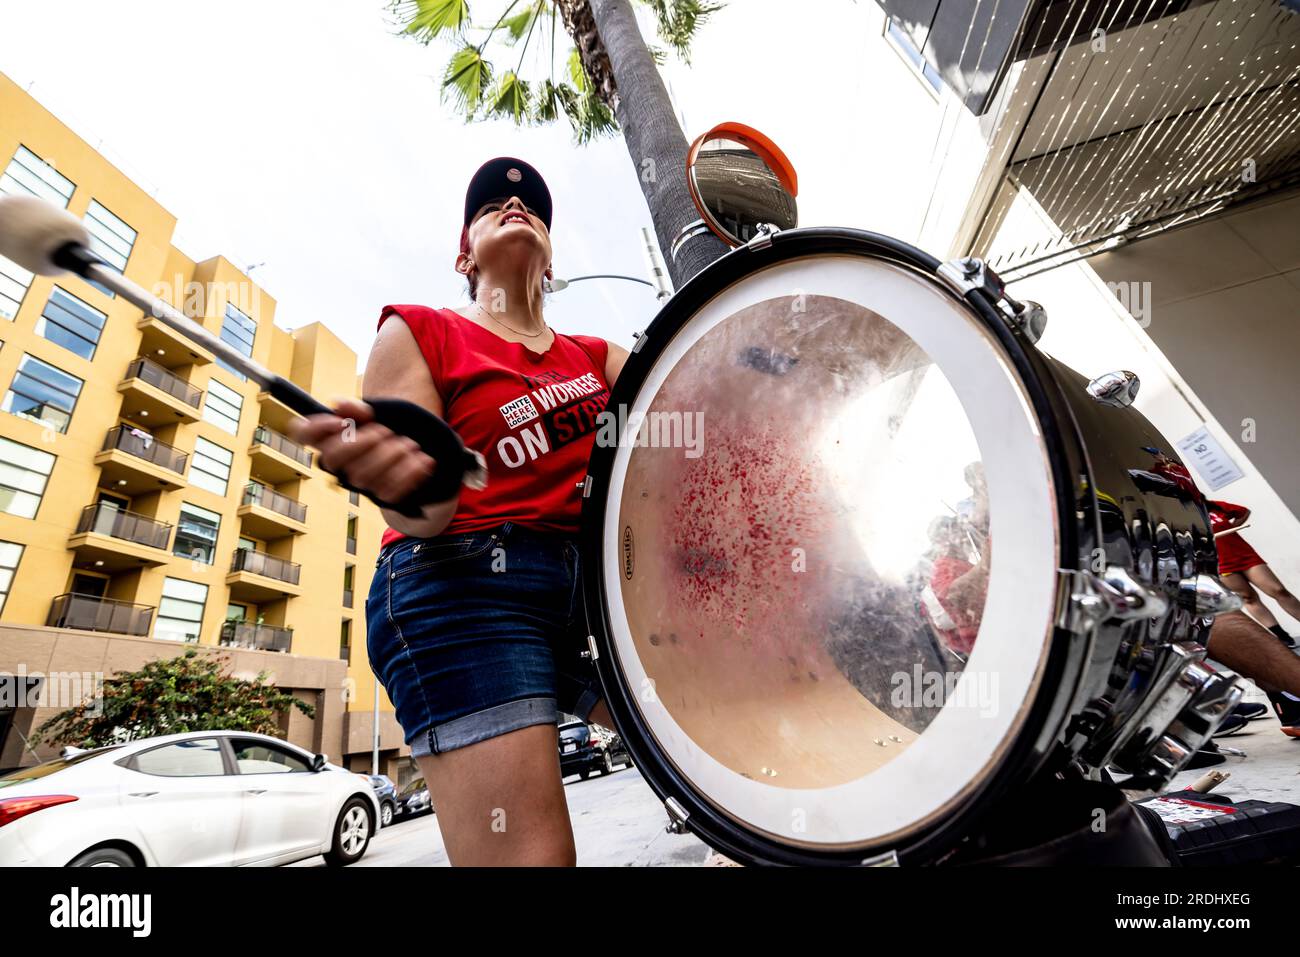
[654,139]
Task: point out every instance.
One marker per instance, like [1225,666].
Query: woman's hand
[370,457]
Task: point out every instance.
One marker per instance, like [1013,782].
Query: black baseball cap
[507,176]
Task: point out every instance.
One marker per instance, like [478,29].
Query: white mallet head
[32,231]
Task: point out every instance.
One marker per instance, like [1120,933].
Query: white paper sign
[1203,450]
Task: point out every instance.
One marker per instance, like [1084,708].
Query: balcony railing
[260,563]
[282,444]
[90,613]
[105,518]
[151,372]
[257,494]
[245,634]
[142,445]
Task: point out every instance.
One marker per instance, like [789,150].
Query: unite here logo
[569,409]
[74,910]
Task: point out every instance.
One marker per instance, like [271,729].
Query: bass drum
[851,576]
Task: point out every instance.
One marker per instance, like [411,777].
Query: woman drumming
[474,618]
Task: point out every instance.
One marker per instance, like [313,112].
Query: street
[617,822]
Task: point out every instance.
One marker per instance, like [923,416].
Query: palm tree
[609,83]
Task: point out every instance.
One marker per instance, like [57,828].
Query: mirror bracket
[762,237]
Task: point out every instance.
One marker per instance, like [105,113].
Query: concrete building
[149,497]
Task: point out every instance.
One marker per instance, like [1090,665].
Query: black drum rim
[1024,755]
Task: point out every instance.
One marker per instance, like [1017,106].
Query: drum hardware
[677,816]
[1206,595]
[773,730]
[591,653]
[1117,389]
[888,859]
[1113,595]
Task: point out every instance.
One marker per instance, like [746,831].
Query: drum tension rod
[970,274]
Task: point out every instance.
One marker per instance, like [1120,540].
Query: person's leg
[1251,604]
[600,715]
[1245,647]
[1262,577]
[501,802]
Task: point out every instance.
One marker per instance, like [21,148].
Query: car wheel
[103,857]
[386,815]
[609,763]
[584,774]
[351,834]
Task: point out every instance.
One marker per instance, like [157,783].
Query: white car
[205,798]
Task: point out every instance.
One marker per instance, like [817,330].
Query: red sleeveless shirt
[533,417]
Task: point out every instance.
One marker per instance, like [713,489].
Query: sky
[310,139]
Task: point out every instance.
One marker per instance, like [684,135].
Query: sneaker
[1251,712]
[1231,724]
[1288,712]
[1207,757]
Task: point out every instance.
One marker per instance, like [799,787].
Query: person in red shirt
[475,623]
[1243,570]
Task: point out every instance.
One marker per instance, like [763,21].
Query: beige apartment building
[150,499]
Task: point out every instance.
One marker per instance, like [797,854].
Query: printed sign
[1203,450]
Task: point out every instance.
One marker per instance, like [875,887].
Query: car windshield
[416,785]
[36,771]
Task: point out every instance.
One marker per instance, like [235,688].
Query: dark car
[412,800]
[585,748]
[386,792]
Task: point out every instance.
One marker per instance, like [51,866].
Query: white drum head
[803,592]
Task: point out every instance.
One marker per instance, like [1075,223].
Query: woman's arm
[614,362]
[374,458]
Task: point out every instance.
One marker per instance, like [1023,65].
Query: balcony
[277,458]
[89,613]
[268,515]
[111,539]
[168,347]
[274,413]
[133,462]
[259,577]
[151,392]
[244,634]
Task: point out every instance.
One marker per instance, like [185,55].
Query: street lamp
[659,273]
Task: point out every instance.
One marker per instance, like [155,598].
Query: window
[348,574]
[247,543]
[110,238]
[237,330]
[345,640]
[210,466]
[261,757]
[29,175]
[10,554]
[903,43]
[196,534]
[180,613]
[354,498]
[69,322]
[352,535]
[183,759]
[222,407]
[42,393]
[23,474]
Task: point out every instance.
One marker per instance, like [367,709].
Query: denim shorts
[477,634]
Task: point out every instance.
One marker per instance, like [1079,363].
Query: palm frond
[426,19]
[676,22]
[522,22]
[467,79]
[509,97]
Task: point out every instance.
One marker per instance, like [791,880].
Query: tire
[103,857]
[386,815]
[584,774]
[609,763]
[352,833]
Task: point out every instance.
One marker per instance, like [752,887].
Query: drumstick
[1229,531]
[48,241]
